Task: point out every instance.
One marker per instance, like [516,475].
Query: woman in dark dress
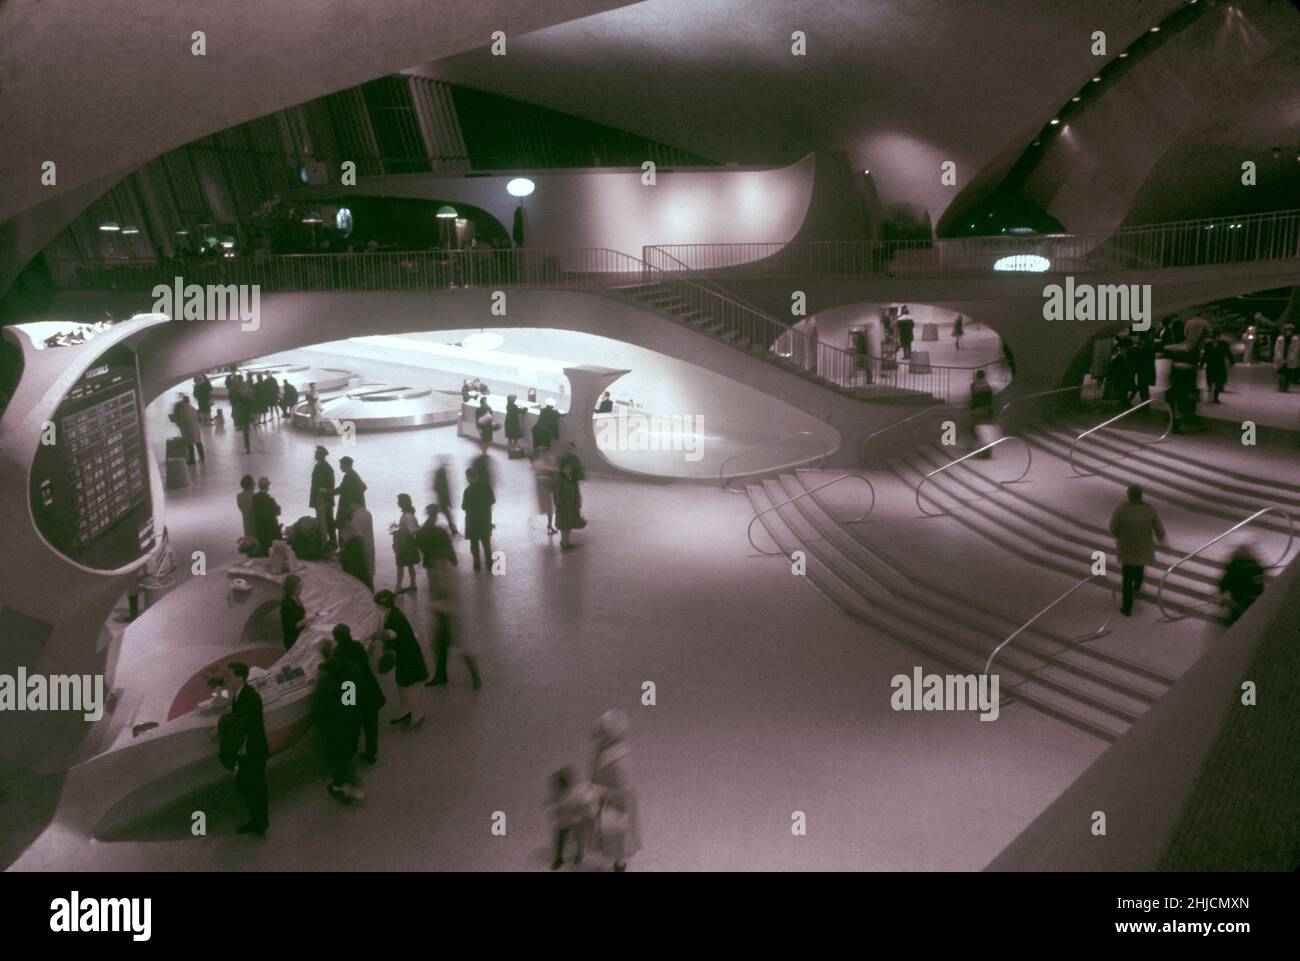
[338,725]
[293,616]
[514,423]
[408,662]
[486,424]
[568,502]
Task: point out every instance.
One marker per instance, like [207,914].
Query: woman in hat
[610,771]
[514,424]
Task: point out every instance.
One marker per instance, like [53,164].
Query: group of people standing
[257,398]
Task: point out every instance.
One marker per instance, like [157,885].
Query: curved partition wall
[81,507]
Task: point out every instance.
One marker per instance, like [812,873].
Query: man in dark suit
[322,496]
[351,492]
[244,729]
[370,696]
[266,516]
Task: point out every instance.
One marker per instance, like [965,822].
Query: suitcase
[176,447]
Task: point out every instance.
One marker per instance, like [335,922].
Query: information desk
[469,415]
[167,656]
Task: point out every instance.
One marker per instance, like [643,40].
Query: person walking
[186,419]
[514,423]
[321,496]
[477,503]
[1241,584]
[544,471]
[981,407]
[1286,358]
[1142,357]
[405,550]
[611,772]
[293,616]
[266,516]
[244,729]
[442,493]
[1218,360]
[958,331]
[568,502]
[351,491]
[435,548]
[288,398]
[244,500]
[1137,528]
[370,696]
[409,669]
[241,408]
[448,629]
[357,547]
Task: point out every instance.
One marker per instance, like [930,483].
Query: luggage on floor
[176,447]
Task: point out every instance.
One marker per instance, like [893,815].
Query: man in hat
[266,516]
[352,491]
[321,497]
[547,429]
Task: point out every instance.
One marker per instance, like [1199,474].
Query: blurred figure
[351,492]
[1142,358]
[958,331]
[244,729]
[1286,357]
[448,629]
[611,772]
[573,806]
[1137,528]
[981,407]
[442,491]
[606,405]
[1218,360]
[337,719]
[906,327]
[186,418]
[568,502]
[244,500]
[486,426]
[288,399]
[436,549]
[203,398]
[544,471]
[357,547]
[547,429]
[1242,582]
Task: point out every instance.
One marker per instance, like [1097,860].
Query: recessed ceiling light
[1075,99]
[1123,55]
[1096,79]
[1055,121]
[1155,29]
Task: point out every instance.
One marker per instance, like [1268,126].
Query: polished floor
[768,700]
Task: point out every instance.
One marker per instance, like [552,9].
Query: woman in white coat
[611,772]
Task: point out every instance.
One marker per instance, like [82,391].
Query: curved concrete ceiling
[900,86]
[100,88]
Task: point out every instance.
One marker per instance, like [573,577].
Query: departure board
[90,488]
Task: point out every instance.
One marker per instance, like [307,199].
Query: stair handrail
[1029,463]
[1100,632]
[726,481]
[1040,393]
[862,451]
[1290,539]
[749,532]
[1106,423]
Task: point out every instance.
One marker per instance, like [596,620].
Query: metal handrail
[1074,443]
[749,532]
[726,485]
[1290,539]
[1029,463]
[1041,393]
[1100,632]
[862,451]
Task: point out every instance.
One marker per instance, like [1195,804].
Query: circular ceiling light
[446,212]
[110,226]
[483,341]
[227,242]
[312,217]
[520,187]
[1096,79]
[182,232]
[130,229]
[1028,263]
[1055,121]
[1075,99]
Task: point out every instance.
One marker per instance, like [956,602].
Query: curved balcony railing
[1099,632]
[1290,539]
[862,451]
[1185,243]
[726,479]
[749,533]
[1106,423]
[1029,463]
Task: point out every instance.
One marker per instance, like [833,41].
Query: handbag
[579,522]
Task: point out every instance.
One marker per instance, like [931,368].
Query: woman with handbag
[405,548]
[568,503]
[618,827]
[403,657]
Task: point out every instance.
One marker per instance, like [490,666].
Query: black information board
[90,488]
